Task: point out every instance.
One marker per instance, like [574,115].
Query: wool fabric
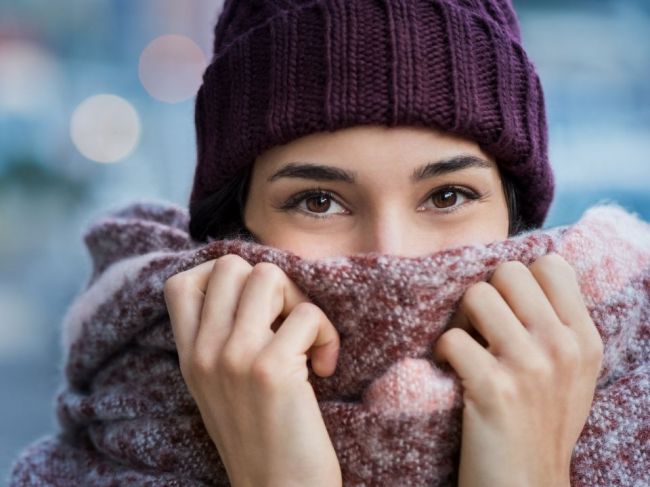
[394,415]
[282,69]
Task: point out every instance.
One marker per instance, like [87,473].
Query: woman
[330,128]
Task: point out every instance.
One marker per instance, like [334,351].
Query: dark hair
[220,215]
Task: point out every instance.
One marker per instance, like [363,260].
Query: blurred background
[96,110]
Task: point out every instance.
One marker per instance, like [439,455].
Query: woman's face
[399,190]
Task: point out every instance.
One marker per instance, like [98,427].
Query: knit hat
[283,69]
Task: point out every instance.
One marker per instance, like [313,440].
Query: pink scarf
[126,417]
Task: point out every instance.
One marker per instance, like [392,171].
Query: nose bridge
[386,232]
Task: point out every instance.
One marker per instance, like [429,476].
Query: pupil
[445,200]
[321,205]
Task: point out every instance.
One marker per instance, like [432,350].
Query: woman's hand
[249,380]
[528,394]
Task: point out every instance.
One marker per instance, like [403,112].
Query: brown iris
[447,198]
[321,203]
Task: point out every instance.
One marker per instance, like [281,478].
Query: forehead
[362,150]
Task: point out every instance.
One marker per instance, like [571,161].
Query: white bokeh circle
[105,128]
[171,68]
[30,77]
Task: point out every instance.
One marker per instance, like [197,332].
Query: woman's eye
[318,204]
[322,204]
[446,199]
[314,203]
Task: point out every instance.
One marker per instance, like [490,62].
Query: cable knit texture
[394,416]
[283,69]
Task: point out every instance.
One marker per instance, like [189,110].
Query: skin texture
[383,211]
[523,344]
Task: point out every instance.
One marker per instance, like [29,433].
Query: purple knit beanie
[283,69]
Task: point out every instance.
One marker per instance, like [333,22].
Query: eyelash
[292,203]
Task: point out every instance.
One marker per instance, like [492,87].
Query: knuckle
[264,371]
[477,292]
[174,284]
[566,349]
[513,266]
[502,388]
[553,263]
[230,362]
[596,350]
[307,310]
[268,271]
[230,262]
[202,364]
[449,338]
[453,335]
[553,258]
[538,367]
[505,270]
[186,369]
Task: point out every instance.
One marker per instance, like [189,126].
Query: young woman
[331,128]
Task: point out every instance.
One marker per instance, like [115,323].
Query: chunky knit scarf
[394,416]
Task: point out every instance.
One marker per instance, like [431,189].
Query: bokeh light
[171,68]
[105,128]
[29,77]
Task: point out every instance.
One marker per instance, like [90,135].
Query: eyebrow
[321,172]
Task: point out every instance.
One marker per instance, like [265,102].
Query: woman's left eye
[445,199]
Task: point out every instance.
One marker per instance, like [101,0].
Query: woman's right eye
[314,204]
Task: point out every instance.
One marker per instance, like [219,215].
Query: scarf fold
[394,416]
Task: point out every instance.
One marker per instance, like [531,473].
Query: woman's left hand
[527,395]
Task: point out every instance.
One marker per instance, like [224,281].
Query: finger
[459,320]
[525,296]
[184,293]
[469,359]
[225,285]
[307,328]
[560,285]
[483,308]
[268,293]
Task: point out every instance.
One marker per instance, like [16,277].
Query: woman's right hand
[250,381]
